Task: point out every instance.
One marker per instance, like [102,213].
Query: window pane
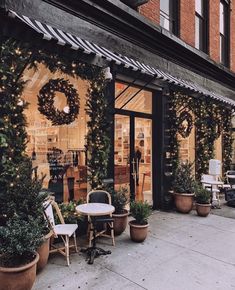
[222,18]
[127,100]
[199,7]
[198,33]
[165,6]
[164,21]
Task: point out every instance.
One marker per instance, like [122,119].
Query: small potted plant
[119,201]
[183,186]
[203,205]
[139,226]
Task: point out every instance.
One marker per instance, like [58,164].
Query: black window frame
[174,16]
[204,44]
[225,53]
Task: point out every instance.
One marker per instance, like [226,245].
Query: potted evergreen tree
[203,205]
[183,186]
[119,201]
[22,229]
[139,226]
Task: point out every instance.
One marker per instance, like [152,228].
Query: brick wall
[187,21]
[214,42]
[232,37]
[151,10]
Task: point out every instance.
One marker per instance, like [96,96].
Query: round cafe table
[214,189]
[95,210]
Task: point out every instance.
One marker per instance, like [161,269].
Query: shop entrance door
[133,156]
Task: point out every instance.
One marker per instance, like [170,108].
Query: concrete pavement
[182,252]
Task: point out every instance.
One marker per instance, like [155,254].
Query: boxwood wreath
[15,58]
[211,120]
[46,98]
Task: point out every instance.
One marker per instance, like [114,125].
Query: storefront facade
[137,109]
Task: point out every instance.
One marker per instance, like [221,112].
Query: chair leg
[112,234]
[75,242]
[67,249]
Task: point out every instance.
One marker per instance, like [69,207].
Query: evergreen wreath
[46,98]
[183,130]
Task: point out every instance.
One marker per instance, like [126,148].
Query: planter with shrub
[139,226]
[183,186]
[119,201]
[203,196]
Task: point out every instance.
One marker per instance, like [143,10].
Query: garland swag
[15,58]
[209,125]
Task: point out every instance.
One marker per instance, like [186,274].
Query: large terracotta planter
[203,209]
[184,202]
[43,252]
[119,222]
[138,233]
[18,278]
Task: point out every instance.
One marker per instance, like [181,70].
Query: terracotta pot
[19,278]
[43,252]
[119,222]
[184,202]
[138,233]
[203,209]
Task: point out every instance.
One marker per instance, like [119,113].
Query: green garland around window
[46,98]
[15,57]
[209,125]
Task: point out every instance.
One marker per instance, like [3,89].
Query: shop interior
[57,152]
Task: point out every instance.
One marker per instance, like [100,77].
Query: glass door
[133,156]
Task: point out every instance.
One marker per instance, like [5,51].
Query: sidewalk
[182,252]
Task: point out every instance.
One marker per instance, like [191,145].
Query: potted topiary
[22,228]
[183,187]
[139,226]
[119,201]
[203,205]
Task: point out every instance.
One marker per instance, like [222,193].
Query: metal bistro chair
[65,231]
[105,222]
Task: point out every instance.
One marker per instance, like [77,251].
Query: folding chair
[63,230]
[100,196]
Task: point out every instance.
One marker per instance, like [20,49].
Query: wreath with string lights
[46,99]
[185,130]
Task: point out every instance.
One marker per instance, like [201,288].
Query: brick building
[157,52]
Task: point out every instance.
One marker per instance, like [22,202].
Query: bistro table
[214,189]
[95,210]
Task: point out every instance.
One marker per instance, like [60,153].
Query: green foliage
[202,195]
[69,213]
[98,139]
[119,199]
[140,211]
[183,181]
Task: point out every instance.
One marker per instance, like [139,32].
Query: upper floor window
[169,15]
[201,25]
[224,32]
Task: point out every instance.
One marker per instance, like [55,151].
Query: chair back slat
[99,196]
[49,212]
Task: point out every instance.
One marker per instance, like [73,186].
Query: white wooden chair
[100,196]
[65,231]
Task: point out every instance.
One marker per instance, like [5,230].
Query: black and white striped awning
[64,38]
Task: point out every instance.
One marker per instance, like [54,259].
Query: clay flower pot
[138,233]
[19,278]
[43,252]
[119,222]
[184,202]
[203,209]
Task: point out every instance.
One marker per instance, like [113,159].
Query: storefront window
[133,98]
[57,151]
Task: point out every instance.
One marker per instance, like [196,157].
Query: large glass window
[224,32]
[57,151]
[201,31]
[169,15]
[133,98]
